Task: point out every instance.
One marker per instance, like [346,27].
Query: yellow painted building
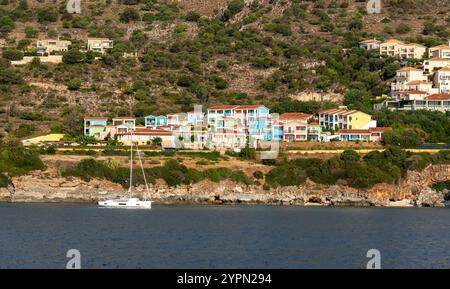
[357,120]
[341,118]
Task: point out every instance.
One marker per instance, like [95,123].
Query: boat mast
[142,167]
[131,161]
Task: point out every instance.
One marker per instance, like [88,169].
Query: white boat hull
[132,203]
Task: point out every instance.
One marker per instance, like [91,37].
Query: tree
[12,54]
[406,138]
[129,15]
[157,141]
[6,24]
[47,15]
[73,56]
[74,84]
[10,76]
[72,120]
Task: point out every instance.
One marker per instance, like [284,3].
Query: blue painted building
[155,121]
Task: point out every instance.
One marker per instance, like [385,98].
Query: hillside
[205,52]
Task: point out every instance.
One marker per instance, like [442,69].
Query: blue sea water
[187,236]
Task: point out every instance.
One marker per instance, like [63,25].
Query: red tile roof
[442,46]
[413,92]
[439,96]
[95,118]
[149,132]
[358,131]
[249,106]
[418,82]
[408,68]
[296,115]
[124,118]
[222,107]
[333,111]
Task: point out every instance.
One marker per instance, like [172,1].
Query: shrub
[258,175]
[286,175]
[47,15]
[129,15]
[406,138]
[73,56]
[12,54]
[74,84]
[247,153]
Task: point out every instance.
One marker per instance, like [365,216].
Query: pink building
[295,126]
[295,131]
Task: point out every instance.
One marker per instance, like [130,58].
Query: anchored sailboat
[129,202]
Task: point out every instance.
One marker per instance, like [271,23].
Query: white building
[99,44]
[430,65]
[442,80]
[440,51]
[394,47]
[370,44]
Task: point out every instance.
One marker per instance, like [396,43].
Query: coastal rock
[414,189]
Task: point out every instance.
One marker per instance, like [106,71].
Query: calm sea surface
[39,235]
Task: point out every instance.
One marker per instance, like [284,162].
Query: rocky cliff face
[412,190]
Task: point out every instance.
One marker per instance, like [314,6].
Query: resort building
[93,126]
[436,102]
[129,122]
[433,64]
[99,44]
[370,44]
[294,126]
[51,46]
[196,118]
[394,47]
[440,51]
[335,119]
[408,78]
[442,80]
[156,121]
[146,136]
[365,135]
[315,132]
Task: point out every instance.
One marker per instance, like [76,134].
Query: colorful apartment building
[315,132]
[93,126]
[254,119]
[196,118]
[152,121]
[125,121]
[374,134]
[335,119]
[294,126]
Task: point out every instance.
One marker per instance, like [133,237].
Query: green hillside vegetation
[260,52]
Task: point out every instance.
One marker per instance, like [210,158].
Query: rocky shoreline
[413,190]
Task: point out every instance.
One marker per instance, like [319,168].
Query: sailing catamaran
[129,202]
